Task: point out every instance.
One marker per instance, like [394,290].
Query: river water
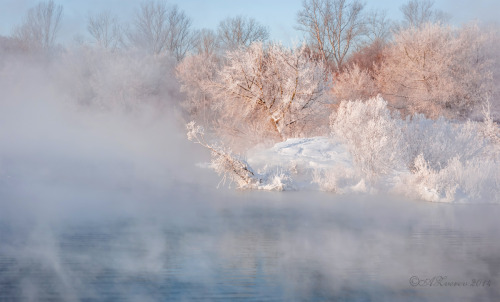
[194,244]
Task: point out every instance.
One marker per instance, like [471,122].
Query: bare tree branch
[159,28]
[240,31]
[206,42]
[418,12]
[41,26]
[105,30]
[378,27]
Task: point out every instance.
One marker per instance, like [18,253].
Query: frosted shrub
[354,83]
[277,181]
[437,160]
[373,135]
[476,180]
[440,140]
[491,130]
[430,184]
[338,179]
[455,161]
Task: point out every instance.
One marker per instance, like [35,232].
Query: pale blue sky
[278,15]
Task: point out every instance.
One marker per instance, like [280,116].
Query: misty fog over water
[184,244]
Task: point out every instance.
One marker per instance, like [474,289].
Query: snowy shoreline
[432,160]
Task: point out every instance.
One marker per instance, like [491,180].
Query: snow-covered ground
[299,160]
[315,163]
[304,153]
[325,163]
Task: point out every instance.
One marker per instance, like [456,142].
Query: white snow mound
[304,153]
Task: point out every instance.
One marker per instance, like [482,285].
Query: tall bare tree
[378,26]
[240,31]
[418,12]
[40,26]
[206,42]
[160,28]
[105,30]
[180,38]
[332,26]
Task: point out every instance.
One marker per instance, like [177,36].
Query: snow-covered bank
[322,163]
[372,150]
[303,160]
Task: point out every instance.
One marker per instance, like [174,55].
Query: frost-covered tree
[41,25]
[492,46]
[274,89]
[194,72]
[436,69]
[240,31]
[333,27]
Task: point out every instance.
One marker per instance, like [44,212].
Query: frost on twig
[490,129]
[224,162]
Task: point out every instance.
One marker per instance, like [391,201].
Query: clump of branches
[224,162]
[240,32]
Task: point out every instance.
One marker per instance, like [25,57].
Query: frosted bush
[440,140]
[491,131]
[339,179]
[437,70]
[354,83]
[474,180]
[436,160]
[373,135]
[278,181]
